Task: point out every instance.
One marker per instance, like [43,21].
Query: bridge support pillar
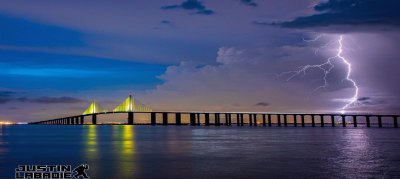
[343,121]
[77,120]
[380,121]
[279,120]
[250,119]
[165,118]
[82,120]
[255,119]
[313,120]
[333,120]
[230,119]
[395,123]
[367,121]
[192,119]
[153,118]
[285,120]
[322,120]
[302,120]
[241,119]
[294,120]
[94,119]
[217,119]
[264,122]
[226,119]
[355,121]
[269,120]
[198,119]
[72,119]
[178,119]
[130,118]
[207,119]
[237,119]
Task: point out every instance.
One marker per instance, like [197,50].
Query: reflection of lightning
[327,68]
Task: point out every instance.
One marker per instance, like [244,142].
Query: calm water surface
[205,152]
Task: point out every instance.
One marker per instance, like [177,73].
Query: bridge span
[131,106]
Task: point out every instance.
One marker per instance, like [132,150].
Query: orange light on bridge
[6,123]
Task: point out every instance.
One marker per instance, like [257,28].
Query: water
[205,152]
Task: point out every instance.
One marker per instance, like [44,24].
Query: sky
[190,55]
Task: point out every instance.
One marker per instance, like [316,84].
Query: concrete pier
[178,119]
[130,118]
[165,118]
[153,120]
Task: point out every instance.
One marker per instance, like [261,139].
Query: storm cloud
[191,5]
[378,13]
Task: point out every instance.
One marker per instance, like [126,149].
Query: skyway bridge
[131,106]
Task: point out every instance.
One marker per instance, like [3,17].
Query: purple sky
[225,55]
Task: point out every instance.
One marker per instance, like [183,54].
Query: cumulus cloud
[244,77]
[350,13]
[191,5]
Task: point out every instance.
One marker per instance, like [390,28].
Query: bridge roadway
[195,118]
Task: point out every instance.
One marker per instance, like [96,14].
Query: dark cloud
[6,96]
[350,13]
[191,5]
[50,100]
[262,104]
[249,3]
[370,101]
[166,22]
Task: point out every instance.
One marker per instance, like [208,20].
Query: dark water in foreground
[205,152]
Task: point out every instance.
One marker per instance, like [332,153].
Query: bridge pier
[178,119]
[333,120]
[94,119]
[241,119]
[226,119]
[285,120]
[395,123]
[255,119]
[192,119]
[343,120]
[269,120]
[279,120]
[302,120]
[368,121]
[264,122]
[250,119]
[207,119]
[354,120]
[217,119]
[230,119]
[72,119]
[380,121]
[153,118]
[165,118]
[77,120]
[322,120]
[198,119]
[313,120]
[294,120]
[131,117]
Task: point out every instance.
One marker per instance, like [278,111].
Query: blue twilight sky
[225,55]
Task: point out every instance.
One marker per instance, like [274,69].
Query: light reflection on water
[123,151]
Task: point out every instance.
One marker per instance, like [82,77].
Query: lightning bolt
[327,68]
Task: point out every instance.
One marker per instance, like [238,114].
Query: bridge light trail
[327,68]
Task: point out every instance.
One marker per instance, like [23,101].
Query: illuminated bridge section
[94,108]
[132,105]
